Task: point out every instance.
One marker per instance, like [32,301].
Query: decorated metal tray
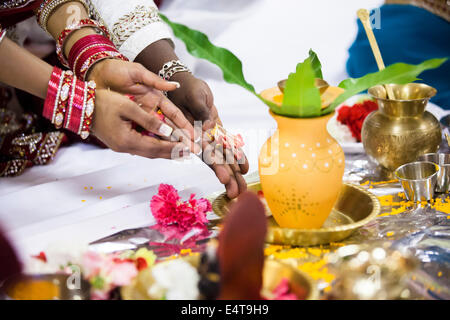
[354,208]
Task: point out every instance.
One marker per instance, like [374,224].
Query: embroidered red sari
[26,139]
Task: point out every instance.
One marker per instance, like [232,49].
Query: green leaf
[301,96]
[199,46]
[398,73]
[316,65]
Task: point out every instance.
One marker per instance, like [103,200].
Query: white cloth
[133,24]
[44,205]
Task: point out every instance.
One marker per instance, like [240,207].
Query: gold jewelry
[47,7]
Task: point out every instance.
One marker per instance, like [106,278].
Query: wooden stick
[363,15]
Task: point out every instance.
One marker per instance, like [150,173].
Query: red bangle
[64,97]
[74,110]
[84,68]
[76,26]
[87,41]
[54,86]
[81,45]
[84,60]
[70,102]
[88,111]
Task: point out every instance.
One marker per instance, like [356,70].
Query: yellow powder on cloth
[441,205]
[398,204]
[376,183]
[311,260]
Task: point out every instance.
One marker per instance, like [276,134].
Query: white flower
[339,131]
[175,280]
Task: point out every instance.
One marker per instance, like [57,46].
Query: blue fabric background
[408,34]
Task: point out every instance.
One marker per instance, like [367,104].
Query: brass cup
[410,99]
[418,180]
[443,160]
[321,84]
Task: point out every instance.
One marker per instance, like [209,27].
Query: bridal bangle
[172,67]
[89,50]
[70,102]
[68,31]
[48,6]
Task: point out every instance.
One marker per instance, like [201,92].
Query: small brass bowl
[274,271]
[321,84]
[354,208]
[60,285]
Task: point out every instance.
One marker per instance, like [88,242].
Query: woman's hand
[127,77]
[112,124]
[195,99]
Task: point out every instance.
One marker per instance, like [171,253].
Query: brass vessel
[401,130]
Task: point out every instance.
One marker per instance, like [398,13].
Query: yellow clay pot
[301,168]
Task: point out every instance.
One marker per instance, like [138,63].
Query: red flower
[164,204]
[168,210]
[353,117]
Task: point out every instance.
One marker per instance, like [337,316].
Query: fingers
[152,148]
[148,78]
[225,174]
[182,135]
[235,168]
[187,114]
[148,121]
[183,129]
[223,164]
[175,115]
[245,166]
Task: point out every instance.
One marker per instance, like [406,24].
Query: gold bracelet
[47,7]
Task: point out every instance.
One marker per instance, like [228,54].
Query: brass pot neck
[411,99]
[403,109]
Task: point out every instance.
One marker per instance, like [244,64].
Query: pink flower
[164,204]
[122,273]
[283,291]
[169,210]
[92,264]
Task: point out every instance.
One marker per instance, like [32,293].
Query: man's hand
[195,99]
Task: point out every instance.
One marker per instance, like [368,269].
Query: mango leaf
[301,96]
[199,46]
[398,73]
[316,65]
